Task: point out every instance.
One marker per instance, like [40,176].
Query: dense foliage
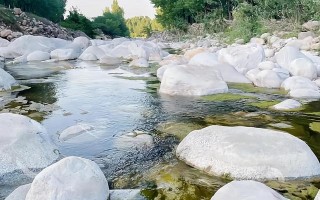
[50,9]
[181,13]
[143,26]
[112,21]
[76,21]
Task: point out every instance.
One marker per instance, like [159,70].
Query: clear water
[119,100]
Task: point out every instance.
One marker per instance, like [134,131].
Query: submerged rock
[248,153]
[24,145]
[70,178]
[134,140]
[192,81]
[126,194]
[74,131]
[246,190]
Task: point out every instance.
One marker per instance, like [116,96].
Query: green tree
[142,26]
[77,21]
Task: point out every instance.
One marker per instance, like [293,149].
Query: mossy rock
[295,190]
[315,126]
[226,97]
[264,104]
[250,88]
[178,129]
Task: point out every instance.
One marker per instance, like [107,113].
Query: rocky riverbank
[15,23]
[199,67]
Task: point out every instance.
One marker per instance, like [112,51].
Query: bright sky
[94,8]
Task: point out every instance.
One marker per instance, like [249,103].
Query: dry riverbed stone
[248,153]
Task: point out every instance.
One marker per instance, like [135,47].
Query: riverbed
[119,100]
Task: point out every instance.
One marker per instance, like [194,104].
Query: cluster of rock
[27,25]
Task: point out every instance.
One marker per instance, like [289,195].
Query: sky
[94,8]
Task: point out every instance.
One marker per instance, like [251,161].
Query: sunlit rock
[65,54]
[70,178]
[303,67]
[204,59]
[288,104]
[246,190]
[24,145]
[248,153]
[192,81]
[92,53]
[38,56]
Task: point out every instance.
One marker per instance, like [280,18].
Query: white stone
[134,141]
[70,178]
[20,193]
[303,35]
[24,144]
[318,196]
[303,67]
[192,81]
[28,44]
[311,25]
[38,56]
[288,104]
[246,190]
[248,153]
[92,53]
[266,65]
[288,54]
[282,73]
[192,52]
[64,54]
[230,74]
[161,71]
[6,80]
[268,79]
[243,58]
[298,82]
[5,33]
[305,93]
[259,41]
[269,53]
[317,81]
[265,36]
[74,131]
[109,60]
[140,62]
[204,59]
[4,42]
[82,42]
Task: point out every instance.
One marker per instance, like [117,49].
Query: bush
[77,21]
[246,23]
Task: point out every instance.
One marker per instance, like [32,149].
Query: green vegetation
[111,23]
[247,15]
[315,126]
[265,104]
[250,88]
[143,26]
[226,97]
[76,21]
[50,9]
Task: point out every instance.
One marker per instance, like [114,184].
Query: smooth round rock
[246,190]
[248,153]
[288,104]
[70,178]
[20,193]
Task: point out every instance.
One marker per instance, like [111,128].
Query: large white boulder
[82,42]
[6,80]
[92,53]
[70,178]
[230,74]
[288,104]
[65,54]
[20,193]
[140,62]
[318,196]
[267,65]
[246,190]
[303,67]
[204,59]
[305,93]
[248,153]
[243,58]
[298,82]
[24,145]
[110,60]
[268,79]
[192,81]
[28,44]
[193,52]
[288,54]
[38,56]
